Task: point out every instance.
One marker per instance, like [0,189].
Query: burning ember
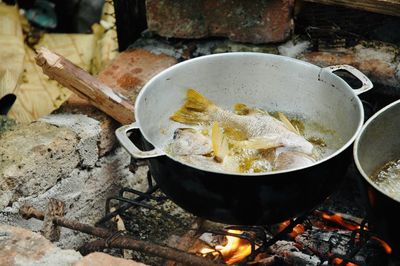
[339,261]
[339,220]
[321,237]
[235,249]
[385,245]
[298,229]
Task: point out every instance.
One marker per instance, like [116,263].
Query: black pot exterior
[248,200]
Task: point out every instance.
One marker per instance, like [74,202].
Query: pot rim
[233,54]
[356,144]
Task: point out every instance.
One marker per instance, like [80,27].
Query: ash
[162,223]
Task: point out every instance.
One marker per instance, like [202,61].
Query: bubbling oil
[326,141]
[387,178]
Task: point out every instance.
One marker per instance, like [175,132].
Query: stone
[58,157]
[33,157]
[87,129]
[84,192]
[21,247]
[257,21]
[102,259]
[77,105]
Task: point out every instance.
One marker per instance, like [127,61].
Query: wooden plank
[387,7]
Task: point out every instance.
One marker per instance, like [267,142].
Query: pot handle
[121,134]
[366,83]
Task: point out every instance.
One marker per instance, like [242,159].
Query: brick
[127,74]
[130,71]
[256,21]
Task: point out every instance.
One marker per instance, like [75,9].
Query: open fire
[235,249]
[335,238]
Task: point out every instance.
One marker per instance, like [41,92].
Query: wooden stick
[121,241]
[85,85]
[51,231]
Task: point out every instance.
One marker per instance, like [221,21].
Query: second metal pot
[377,144]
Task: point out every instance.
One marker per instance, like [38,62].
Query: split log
[85,85]
[123,242]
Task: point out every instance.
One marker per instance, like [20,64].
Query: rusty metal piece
[50,230]
[27,212]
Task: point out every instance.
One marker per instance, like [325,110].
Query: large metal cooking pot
[377,144]
[266,81]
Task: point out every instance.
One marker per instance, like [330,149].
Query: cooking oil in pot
[387,178]
[246,140]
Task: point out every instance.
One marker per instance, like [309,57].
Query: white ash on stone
[191,49]
[293,49]
[157,46]
[87,130]
[34,158]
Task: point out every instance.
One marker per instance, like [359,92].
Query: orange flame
[235,250]
[385,245]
